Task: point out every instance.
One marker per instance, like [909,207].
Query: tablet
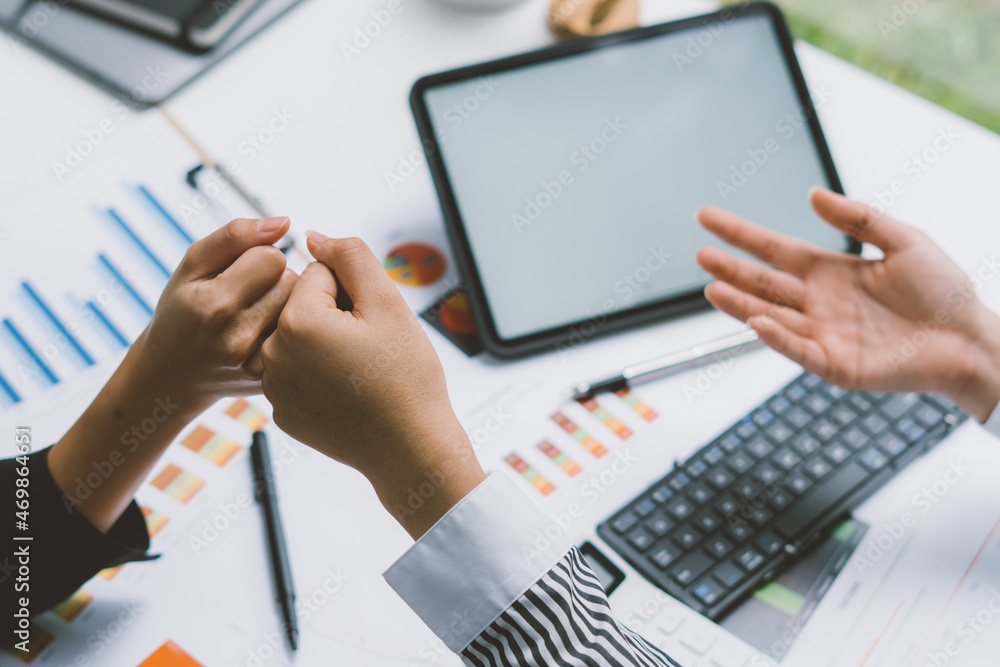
[569,177]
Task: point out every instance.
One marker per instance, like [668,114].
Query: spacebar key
[817,502]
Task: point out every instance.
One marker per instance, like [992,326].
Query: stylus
[669,364]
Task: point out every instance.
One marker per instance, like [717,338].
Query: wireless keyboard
[724,521]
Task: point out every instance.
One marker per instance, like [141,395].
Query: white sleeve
[993,423]
[475,562]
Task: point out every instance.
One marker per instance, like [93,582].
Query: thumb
[357,270]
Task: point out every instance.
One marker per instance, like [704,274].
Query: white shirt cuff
[993,423]
[475,562]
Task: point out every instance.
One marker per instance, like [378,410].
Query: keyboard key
[664,556]
[890,445]
[769,543]
[686,536]
[740,462]
[779,405]
[706,522]
[817,404]
[842,415]
[874,424]
[810,507]
[728,574]
[662,494]
[731,442]
[747,489]
[927,415]
[640,539]
[697,469]
[690,567]
[700,494]
[855,438]
[780,500]
[659,525]
[805,444]
[811,381]
[679,481]
[823,430]
[796,392]
[873,459]
[836,453]
[750,559]
[798,417]
[713,455]
[778,432]
[910,430]
[859,403]
[718,546]
[738,529]
[708,591]
[896,405]
[767,474]
[727,505]
[720,478]
[624,522]
[680,508]
[786,459]
[818,468]
[644,507]
[799,483]
[761,516]
[835,392]
[762,417]
[759,447]
[746,429]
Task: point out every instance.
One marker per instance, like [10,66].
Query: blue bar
[107,323]
[173,222]
[87,359]
[30,351]
[142,246]
[9,390]
[128,287]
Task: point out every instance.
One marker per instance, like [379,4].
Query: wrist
[429,477]
[149,377]
[979,394]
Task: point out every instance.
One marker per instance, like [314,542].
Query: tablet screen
[577,179]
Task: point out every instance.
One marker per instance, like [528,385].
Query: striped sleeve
[563,619]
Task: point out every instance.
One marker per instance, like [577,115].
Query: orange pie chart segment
[455,315]
[415,264]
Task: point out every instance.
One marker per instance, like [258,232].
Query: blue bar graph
[107,323]
[46,371]
[139,243]
[126,284]
[44,307]
[9,390]
[169,218]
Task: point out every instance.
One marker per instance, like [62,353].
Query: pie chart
[455,314]
[415,264]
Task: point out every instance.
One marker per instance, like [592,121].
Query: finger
[252,274]
[803,351]
[860,221]
[316,287]
[254,366]
[263,314]
[784,252]
[358,271]
[214,253]
[769,284]
[743,306]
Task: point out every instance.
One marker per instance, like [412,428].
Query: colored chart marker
[246,414]
[155,522]
[581,436]
[170,655]
[608,419]
[110,573]
[560,459]
[178,484]
[415,264]
[208,444]
[634,402]
[530,474]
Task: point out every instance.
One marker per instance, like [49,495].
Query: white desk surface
[352,124]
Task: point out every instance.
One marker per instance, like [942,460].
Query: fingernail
[268,225]
[316,237]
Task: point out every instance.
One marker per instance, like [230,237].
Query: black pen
[263,475]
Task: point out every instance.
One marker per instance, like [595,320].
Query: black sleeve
[65,549]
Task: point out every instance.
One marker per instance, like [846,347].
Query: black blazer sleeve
[65,549]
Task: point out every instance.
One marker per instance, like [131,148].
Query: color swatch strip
[246,414]
[634,402]
[155,521]
[71,607]
[210,445]
[581,436]
[527,472]
[178,484]
[608,419]
[560,459]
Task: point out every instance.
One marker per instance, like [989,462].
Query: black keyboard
[727,519]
